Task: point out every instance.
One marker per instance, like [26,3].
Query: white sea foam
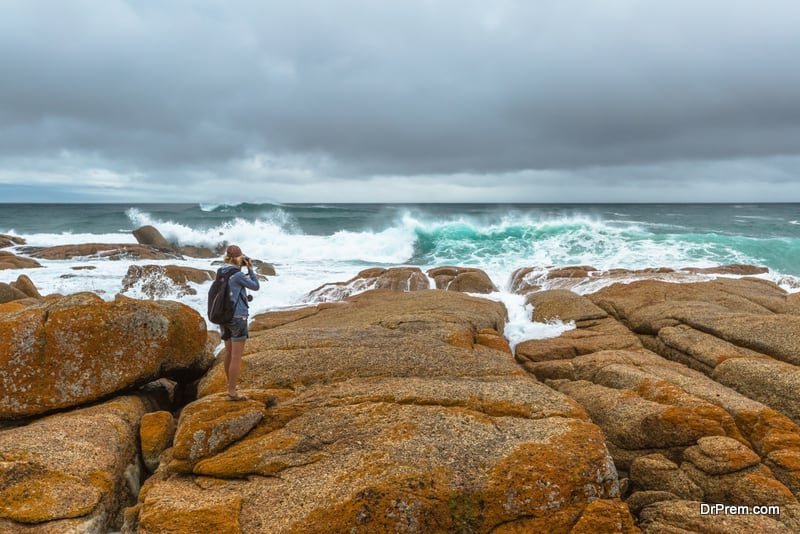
[520,326]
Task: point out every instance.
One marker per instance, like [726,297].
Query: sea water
[313,244]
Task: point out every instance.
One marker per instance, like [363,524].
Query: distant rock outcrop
[12,261]
[10,240]
[103,250]
[164,281]
[150,236]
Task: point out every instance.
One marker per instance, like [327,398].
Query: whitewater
[311,245]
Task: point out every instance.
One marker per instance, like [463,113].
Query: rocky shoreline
[404,409]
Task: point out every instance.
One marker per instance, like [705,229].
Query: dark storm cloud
[313,91]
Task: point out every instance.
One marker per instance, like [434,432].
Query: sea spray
[520,326]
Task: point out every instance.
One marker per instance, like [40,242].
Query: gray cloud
[293,97]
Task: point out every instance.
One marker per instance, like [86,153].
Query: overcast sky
[400,101]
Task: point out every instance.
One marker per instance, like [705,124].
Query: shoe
[237,397]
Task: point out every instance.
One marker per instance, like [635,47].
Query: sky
[399,101]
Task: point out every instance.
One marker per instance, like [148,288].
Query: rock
[183,506]
[8,293]
[148,235]
[198,252]
[10,240]
[634,422]
[734,269]
[387,419]
[594,332]
[12,261]
[155,435]
[695,348]
[733,330]
[573,271]
[396,279]
[26,285]
[491,338]
[108,251]
[654,472]
[775,335]
[526,279]
[639,499]
[588,337]
[649,305]
[160,281]
[605,515]
[563,305]
[464,279]
[71,472]
[720,456]
[208,426]
[53,355]
[265,321]
[729,472]
[682,405]
[768,381]
[684,516]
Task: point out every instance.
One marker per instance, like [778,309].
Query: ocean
[314,244]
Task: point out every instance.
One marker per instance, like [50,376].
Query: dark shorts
[236,330]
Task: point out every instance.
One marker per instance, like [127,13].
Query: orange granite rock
[72,350]
[73,471]
[391,417]
[155,434]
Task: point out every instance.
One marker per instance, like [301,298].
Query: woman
[234,333]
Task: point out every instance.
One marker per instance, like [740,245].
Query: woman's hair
[233,260]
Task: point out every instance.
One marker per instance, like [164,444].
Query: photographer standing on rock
[234,333]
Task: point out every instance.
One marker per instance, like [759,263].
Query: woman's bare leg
[233,368]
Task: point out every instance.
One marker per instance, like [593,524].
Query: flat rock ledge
[383,414]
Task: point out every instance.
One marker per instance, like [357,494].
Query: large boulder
[72,472]
[26,285]
[390,416]
[68,351]
[148,235]
[464,279]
